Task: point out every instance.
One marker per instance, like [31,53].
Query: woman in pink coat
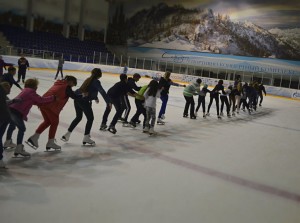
[19,111]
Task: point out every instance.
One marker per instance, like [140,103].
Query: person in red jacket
[62,89]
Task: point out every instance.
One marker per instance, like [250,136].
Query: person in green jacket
[188,93]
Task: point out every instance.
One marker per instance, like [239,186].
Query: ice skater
[9,77]
[150,95]
[19,111]
[89,91]
[23,66]
[201,100]
[224,100]
[114,94]
[60,65]
[188,93]
[62,89]
[165,83]
[125,101]
[214,94]
[261,90]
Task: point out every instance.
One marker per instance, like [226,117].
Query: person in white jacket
[150,95]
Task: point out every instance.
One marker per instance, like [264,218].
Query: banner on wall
[218,61]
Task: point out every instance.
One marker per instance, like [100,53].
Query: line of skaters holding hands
[233,98]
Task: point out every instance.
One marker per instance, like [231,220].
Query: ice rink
[245,169]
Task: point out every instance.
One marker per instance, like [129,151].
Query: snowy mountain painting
[202,30]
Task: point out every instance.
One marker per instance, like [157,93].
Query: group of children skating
[53,101]
[233,98]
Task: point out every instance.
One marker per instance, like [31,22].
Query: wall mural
[269,28]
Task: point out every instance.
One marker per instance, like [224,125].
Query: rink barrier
[52,64]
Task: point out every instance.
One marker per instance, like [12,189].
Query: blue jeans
[18,121]
[164,99]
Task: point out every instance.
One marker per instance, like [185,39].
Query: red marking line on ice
[207,171]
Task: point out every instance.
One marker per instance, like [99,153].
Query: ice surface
[243,169]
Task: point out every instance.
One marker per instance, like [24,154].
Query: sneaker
[9,144]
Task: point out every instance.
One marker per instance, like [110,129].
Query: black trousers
[140,109]
[189,101]
[59,69]
[201,100]
[216,97]
[224,100]
[21,74]
[118,106]
[83,106]
[125,106]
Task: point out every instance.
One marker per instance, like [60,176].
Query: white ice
[244,169]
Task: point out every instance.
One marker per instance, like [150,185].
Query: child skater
[115,93]
[214,94]
[62,89]
[19,111]
[188,93]
[89,91]
[150,95]
[201,100]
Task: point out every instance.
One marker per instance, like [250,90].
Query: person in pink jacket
[19,111]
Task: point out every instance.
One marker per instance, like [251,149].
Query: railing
[106,58]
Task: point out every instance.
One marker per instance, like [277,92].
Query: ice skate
[152,132]
[8,144]
[87,141]
[132,124]
[204,116]
[207,114]
[66,137]
[185,115]
[259,105]
[160,122]
[221,114]
[146,129]
[103,127]
[228,115]
[33,141]
[193,117]
[21,151]
[126,124]
[2,164]
[112,129]
[233,114]
[52,145]
[219,117]
[163,117]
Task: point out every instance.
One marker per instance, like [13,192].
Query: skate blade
[32,146]
[88,145]
[51,150]
[113,132]
[64,140]
[161,123]
[20,156]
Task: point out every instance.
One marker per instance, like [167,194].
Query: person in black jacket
[115,93]
[261,90]
[214,94]
[89,91]
[125,101]
[23,66]
[9,77]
